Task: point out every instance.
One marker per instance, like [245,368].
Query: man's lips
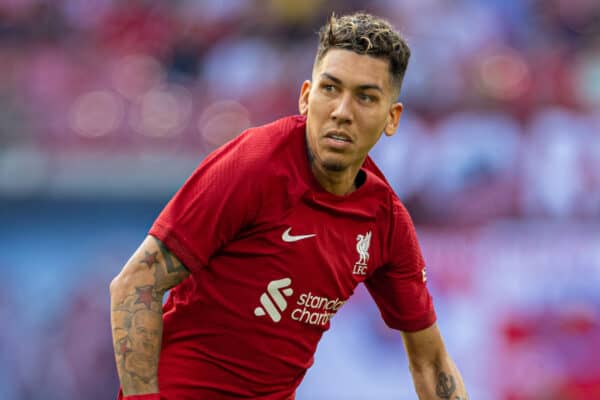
[339,136]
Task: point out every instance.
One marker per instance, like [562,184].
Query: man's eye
[328,88]
[366,98]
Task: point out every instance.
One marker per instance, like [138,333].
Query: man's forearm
[136,320]
[439,381]
[136,314]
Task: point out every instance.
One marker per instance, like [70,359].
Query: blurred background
[107,106]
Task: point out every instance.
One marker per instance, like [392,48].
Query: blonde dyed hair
[366,34]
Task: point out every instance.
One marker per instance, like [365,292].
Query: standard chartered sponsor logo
[278,304]
[312,310]
[315,310]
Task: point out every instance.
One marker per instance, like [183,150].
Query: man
[270,236]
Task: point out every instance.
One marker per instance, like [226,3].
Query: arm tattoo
[146,295]
[445,386]
[137,328]
[171,266]
[171,272]
[149,259]
[136,318]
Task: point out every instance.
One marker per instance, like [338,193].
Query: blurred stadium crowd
[119,100]
[502,98]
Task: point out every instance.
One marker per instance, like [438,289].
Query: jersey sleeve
[218,200]
[398,287]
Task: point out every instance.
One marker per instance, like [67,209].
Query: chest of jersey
[300,265]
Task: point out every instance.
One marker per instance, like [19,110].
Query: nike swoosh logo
[294,238]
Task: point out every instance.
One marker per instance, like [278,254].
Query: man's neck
[339,183]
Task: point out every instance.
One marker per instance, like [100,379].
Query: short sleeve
[399,287]
[217,201]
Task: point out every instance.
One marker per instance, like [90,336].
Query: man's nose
[343,109]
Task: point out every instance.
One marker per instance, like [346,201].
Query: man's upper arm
[221,197]
[152,264]
[399,287]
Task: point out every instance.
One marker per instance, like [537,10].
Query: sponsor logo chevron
[312,310]
[275,304]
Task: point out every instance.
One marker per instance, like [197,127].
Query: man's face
[348,105]
[143,338]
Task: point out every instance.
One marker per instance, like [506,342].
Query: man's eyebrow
[331,78]
[361,87]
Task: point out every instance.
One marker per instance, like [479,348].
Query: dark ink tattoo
[145,296]
[136,318]
[445,386]
[171,271]
[171,267]
[149,259]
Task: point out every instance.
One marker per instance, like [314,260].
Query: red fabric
[152,396]
[247,321]
[149,396]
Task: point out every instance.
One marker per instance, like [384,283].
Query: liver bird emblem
[362,246]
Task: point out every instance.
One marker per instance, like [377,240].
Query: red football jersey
[273,256]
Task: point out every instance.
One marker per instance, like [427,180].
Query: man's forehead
[353,69]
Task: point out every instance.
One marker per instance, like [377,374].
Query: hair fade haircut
[366,34]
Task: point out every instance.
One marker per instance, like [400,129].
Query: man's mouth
[339,136]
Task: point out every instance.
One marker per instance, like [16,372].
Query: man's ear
[303,99]
[393,119]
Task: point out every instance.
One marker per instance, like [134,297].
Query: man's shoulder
[259,144]
[275,132]
[284,125]
[264,142]
[260,154]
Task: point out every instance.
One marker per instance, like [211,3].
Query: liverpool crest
[362,247]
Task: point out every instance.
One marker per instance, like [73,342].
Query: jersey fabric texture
[272,257]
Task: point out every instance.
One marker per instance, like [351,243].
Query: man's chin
[334,166]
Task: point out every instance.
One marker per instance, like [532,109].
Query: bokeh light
[135,74]
[219,120]
[162,112]
[504,75]
[96,114]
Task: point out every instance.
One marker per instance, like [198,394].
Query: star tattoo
[150,259]
[144,296]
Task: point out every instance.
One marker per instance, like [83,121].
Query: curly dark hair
[364,33]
